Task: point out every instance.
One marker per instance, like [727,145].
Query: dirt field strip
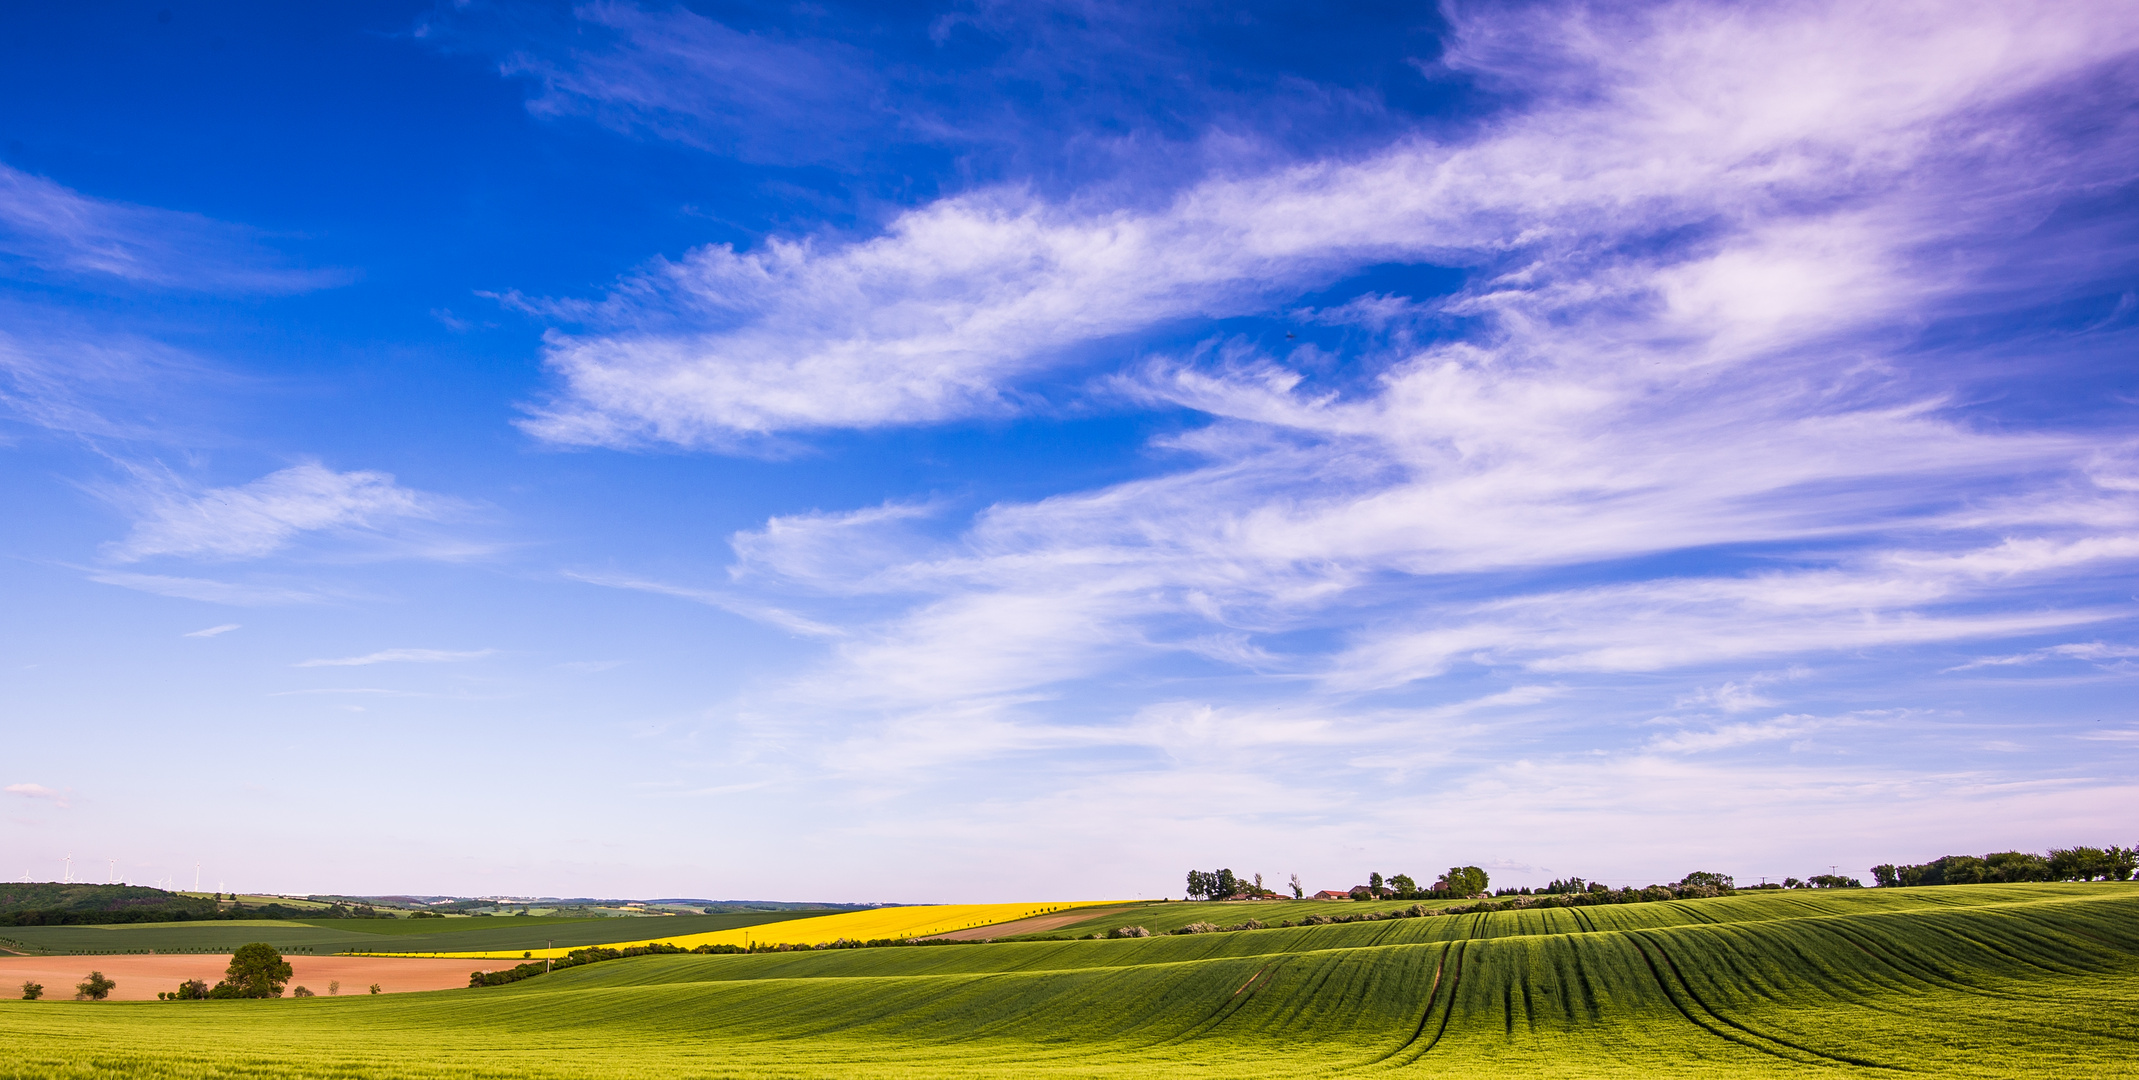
[1038,925]
[141,978]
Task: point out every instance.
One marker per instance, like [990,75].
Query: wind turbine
[111,871]
[196,877]
[70,870]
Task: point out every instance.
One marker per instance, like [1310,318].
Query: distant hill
[53,903]
[49,903]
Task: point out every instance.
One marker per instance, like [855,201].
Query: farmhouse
[1329,894]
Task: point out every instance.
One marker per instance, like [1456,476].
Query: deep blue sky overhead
[986,451]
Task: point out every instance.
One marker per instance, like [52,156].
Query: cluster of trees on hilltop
[2110,863]
[1458,883]
[52,903]
[1221,884]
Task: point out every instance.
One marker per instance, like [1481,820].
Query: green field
[324,936]
[1161,917]
[1993,980]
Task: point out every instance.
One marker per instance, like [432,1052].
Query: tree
[374,988]
[94,988]
[31,991]
[2079,863]
[1299,892]
[1404,887]
[2015,866]
[1214,885]
[1462,881]
[1374,883]
[190,990]
[1702,879]
[255,971]
[2122,862]
[1886,875]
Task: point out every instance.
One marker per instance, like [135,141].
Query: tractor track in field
[1939,981]
[1433,997]
[1234,1002]
[1744,1035]
[2008,952]
[1920,971]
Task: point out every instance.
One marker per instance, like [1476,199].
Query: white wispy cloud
[1737,695]
[38,791]
[213,630]
[2114,657]
[1678,420]
[402,656]
[262,517]
[60,230]
[236,593]
[60,375]
[1731,736]
[726,601]
[1689,117]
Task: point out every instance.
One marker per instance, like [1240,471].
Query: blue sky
[991,451]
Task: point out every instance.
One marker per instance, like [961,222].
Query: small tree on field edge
[31,991]
[255,971]
[190,990]
[94,988]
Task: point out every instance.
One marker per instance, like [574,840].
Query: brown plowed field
[1038,924]
[141,978]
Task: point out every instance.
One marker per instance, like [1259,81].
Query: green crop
[1979,981]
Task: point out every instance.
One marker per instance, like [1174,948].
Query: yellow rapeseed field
[894,922]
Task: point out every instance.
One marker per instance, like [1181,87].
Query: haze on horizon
[976,452]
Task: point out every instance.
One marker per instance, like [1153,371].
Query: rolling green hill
[1985,981]
[324,936]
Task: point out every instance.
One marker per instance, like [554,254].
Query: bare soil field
[1039,924]
[141,978]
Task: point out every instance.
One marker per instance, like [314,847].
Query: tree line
[2110,863]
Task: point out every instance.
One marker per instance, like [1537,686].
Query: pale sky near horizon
[977,451]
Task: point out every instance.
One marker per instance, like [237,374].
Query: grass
[513,933]
[1974,981]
